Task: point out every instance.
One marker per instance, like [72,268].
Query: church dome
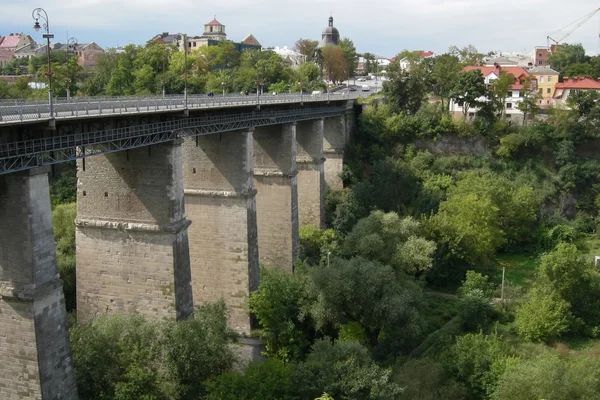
[330,35]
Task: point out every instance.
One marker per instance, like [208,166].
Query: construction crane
[573,27]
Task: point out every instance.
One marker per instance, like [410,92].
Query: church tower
[330,35]
[215,30]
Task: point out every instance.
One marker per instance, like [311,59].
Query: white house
[514,96]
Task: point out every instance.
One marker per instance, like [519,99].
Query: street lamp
[37,14]
[223,87]
[71,47]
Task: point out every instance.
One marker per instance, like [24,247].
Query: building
[14,41]
[293,58]
[546,79]
[541,55]
[5,57]
[330,35]
[514,96]
[214,33]
[417,55]
[509,59]
[30,50]
[215,30]
[563,89]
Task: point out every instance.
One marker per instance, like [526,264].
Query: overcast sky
[383,27]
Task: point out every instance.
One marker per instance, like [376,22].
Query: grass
[520,268]
[589,247]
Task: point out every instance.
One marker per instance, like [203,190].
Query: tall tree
[334,63]
[307,48]
[446,68]
[350,56]
[499,91]
[566,55]
[469,88]
[468,55]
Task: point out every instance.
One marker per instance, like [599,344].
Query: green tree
[446,68]
[392,241]
[282,307]
[543,316]
[372,295]
[469,88]
[307,48]
[426,379]
[63,223]
[499,90]
[334,63]
[565,55]
[350,56]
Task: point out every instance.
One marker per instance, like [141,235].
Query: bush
[544,316]
[63,223]
[475,310]
[125,356]
[316,244]
[476,281]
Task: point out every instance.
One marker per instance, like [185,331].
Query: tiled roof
[516,72]
[10,41]
[578,83]
[543,71]
[214,22]
[251,40]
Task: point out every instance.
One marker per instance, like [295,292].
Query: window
[508,106]
[509,94]
[540,91]
[189,44]
[539,102]
[539,54]
[541,79]
[194,44]
[548,91]
[547,101]
[540,62]
[549,79]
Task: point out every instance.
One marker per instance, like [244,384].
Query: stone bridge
[176,206]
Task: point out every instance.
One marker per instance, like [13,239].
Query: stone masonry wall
[275,180]
[334,141]
[220,200]
[311,175]
[35,353]
[132,245]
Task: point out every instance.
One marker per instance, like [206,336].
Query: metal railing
[36,109]
[26,154]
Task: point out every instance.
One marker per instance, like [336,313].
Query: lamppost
[37,14]
[71,47]
[301,90]
[223,87]
[290,88]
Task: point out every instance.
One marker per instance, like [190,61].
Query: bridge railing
[35,109]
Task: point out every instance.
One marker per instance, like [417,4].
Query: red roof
[578,83]
[10,41]
[425,54]
[214,22]
[518,73]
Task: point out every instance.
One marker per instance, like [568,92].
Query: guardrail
[34,110]
[31,153]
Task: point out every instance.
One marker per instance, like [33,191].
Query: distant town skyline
[383,27]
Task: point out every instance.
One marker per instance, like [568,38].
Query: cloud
[381,26]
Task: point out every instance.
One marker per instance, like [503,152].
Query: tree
[124,356]
[426,379]
[383,304]
[475,360]
[307,48]
[334,63]
[566,55]
[499,90]
[469,88]
[63,224]
[281,306]
[392,241]
[529,106]
[350,56]
[468,55]
[446,68]
[406,90]
[543,316]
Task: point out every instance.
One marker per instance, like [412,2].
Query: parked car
[365,88]
[353,89]
[361,80]
[316,93]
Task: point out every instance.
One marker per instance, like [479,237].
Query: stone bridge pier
[220,199]
[334,141]
[275,179]
[35,352]
[131,234]
[311,174]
